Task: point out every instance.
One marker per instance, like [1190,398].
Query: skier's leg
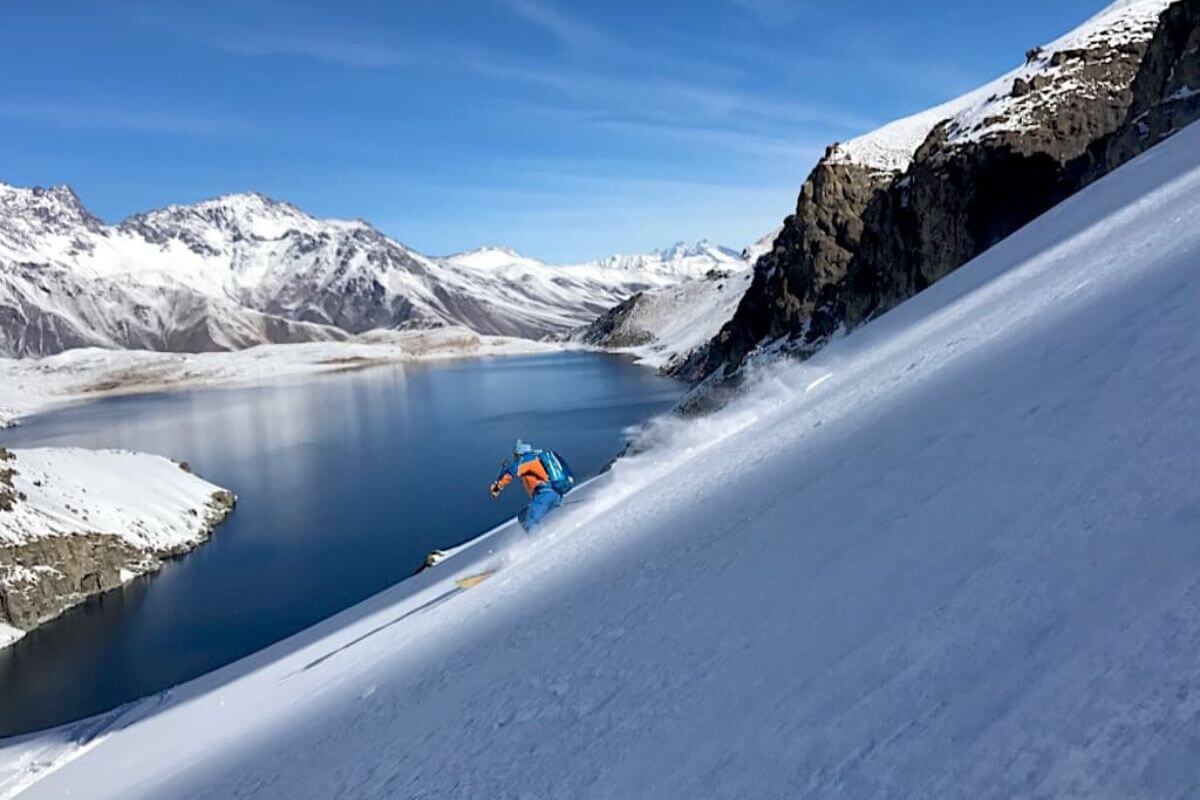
[540,505]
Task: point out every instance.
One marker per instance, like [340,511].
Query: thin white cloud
[87,116]
[347,52]
[665,101]
[778,148]
[569,30]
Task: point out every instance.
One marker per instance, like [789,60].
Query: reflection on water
[344,483]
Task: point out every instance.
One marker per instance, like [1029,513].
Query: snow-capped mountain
[681,260]
[885,215]
[68,280]
[244,269]
[753,252]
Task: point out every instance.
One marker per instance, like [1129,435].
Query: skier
[545,475]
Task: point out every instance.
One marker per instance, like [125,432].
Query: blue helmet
[521,448]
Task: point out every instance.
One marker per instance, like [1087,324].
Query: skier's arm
[508,472]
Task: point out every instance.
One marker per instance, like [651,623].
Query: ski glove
[494,490]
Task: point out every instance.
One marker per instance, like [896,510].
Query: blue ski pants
[544,501]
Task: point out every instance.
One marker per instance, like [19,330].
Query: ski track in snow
[953,555]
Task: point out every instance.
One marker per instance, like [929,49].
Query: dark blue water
[344,483]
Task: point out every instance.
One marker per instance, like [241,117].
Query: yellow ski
[474,580]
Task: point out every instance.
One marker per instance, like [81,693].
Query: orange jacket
[528,468]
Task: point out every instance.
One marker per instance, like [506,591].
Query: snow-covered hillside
[78,522]
[662,327]
[243,269]
[952,555]
[30,385]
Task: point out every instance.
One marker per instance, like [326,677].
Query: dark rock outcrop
[611,328]
[862,241]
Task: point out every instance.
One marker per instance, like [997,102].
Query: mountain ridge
[244,268]
[884,215]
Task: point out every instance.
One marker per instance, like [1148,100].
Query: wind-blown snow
[992,108]
[954,554]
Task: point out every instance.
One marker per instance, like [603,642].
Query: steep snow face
[960,539]
[1019,100]
[244,269]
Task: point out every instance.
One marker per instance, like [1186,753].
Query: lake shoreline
[34,386]
[335,504]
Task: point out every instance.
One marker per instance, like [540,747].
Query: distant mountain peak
[491,256]
[48,209]
[703,247]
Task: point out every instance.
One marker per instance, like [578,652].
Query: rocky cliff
[883,217]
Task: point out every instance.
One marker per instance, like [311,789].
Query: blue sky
[568,129]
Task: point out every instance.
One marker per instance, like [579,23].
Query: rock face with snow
[244,269]
[74,523]
[882,217]
[664,327]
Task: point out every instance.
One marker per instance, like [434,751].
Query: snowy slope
[952,555]
[146,500]
[244,269]
[753,252]
[78,522]
[664,326]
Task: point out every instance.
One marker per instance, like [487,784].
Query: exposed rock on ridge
[865,236]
